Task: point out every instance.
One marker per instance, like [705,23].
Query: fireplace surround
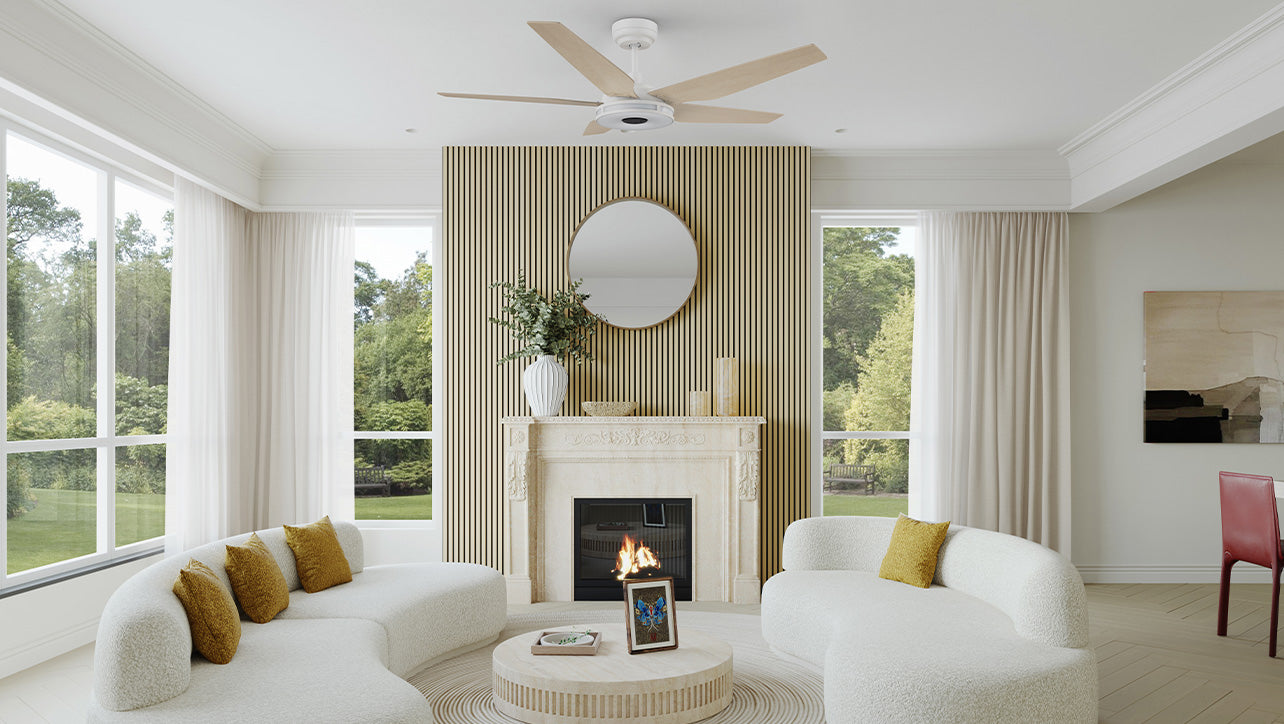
[551,461]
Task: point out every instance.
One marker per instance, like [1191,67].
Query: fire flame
[634,556]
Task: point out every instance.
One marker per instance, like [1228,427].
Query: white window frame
[432,221]
[819,221]
[106,440]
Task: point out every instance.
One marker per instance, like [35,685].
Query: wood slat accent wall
[510,208]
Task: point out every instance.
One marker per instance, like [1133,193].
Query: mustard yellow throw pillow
[911,556]
[211,612]
[318,555]
[257,580]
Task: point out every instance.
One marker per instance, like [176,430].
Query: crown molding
[89,79]
[977,180]
[946,165]
[142,67]
[1186,76]
[367,179]
[1226,99]
[367,164]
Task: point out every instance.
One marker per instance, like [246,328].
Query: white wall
[45,622]
[1150,512]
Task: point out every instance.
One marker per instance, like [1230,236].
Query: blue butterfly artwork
[650,615]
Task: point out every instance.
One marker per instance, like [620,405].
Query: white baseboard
[1170,573]
[47,647]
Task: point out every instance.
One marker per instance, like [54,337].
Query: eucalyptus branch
[561,326]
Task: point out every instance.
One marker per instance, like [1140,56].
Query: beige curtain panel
[991,408]
[260,394]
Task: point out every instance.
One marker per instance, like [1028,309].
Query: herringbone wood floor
[1160,660]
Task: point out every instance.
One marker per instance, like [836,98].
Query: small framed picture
[653,515]
[651,616]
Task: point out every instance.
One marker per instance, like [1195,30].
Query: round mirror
[638,262]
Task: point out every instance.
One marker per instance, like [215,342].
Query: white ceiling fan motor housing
[631,33]
[634,114]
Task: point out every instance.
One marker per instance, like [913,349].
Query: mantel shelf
[637,419]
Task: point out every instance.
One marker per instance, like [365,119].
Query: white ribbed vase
[545,385]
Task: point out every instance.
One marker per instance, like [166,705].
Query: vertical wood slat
[515,207]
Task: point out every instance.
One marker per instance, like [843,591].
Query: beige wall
[1150,512]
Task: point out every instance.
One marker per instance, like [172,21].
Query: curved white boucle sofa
[338,655]
[1001,636]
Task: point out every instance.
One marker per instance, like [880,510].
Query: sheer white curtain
[991,401]
[302,460]
[260,396]
[203,500]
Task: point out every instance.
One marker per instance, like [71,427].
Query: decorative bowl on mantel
[609,409]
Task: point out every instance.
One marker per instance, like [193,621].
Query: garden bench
[372,482]
[843,476]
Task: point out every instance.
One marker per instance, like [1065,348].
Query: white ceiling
[910,74]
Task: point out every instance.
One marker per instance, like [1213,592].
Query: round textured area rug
[766,688]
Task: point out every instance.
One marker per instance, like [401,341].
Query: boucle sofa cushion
[1039,589]
[143,654]
[803,612]
[1001,638]
[333,670]
[211,612]
[318,555]
[911,554]
[959,679]
[257,581]
[427,609]
[897,654]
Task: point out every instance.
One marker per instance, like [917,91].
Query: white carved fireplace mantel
[551,461]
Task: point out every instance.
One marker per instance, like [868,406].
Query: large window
[87,357]
[393,353]
[868,332]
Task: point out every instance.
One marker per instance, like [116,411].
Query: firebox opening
[646,537]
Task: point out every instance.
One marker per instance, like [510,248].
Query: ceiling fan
[628,105]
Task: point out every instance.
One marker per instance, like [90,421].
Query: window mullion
[438,354]
[106,361]
[4,357]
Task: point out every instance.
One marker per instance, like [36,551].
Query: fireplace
[661,525]
[550,462]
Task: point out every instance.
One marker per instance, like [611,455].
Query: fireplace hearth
[648,537]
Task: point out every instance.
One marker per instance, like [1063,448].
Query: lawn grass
[64,523]
[882,505]
[400,507]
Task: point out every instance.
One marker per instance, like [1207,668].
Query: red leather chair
[1250,533]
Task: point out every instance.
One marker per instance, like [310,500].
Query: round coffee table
[686,684]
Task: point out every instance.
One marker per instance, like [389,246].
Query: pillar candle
[726,387]
[698,403]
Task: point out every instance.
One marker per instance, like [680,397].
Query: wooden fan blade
[738,77]
[591,64]
[522,99]
[594,128]
[692,113]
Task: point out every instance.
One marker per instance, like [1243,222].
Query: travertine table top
[682,685]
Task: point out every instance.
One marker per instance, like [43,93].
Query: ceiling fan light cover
[635,115]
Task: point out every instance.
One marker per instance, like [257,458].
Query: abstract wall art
[1214,367]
